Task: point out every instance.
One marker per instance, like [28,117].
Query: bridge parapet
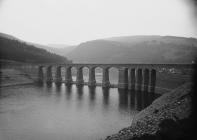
[141,65]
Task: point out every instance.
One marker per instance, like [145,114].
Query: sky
[74,21]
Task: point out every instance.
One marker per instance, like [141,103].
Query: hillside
[136,49]
[12,48]
[60,49]
[3,35]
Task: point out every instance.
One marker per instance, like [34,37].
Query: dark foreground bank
[168,117]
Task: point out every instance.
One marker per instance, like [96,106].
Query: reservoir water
[60,112]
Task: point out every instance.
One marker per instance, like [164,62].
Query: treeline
[23,52]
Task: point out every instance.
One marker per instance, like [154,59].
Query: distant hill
[12,48]
[60,49]
[136,49]
[58,45]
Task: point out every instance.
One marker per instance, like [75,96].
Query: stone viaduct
[131,76]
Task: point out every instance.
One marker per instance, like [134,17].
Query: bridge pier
[132,79]
[79,80]
[123,78]
[58,75]
[68,76]
[49,74]
[92,80]
[153,80]
[139,79]
[40,74]
[105,82]
[146,79]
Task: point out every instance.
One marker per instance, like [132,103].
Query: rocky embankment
[168,117]
[12,77]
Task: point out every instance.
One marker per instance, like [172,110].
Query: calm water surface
[59,112]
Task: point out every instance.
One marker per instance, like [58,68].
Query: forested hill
[17,50]
[136,49]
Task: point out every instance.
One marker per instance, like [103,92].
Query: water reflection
[58,87]
[68,91]
[59,111]
[123,99]
[105,96]
[132,98]
[80,92]
[127,99]
[143,99]
[92,96]
[49,84]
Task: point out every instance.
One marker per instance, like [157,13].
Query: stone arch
[98,74]
[73,73]
[85,71]
[113,75]
[63,72]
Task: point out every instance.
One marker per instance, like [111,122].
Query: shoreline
[17,84]
[172,107]
[11,77]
